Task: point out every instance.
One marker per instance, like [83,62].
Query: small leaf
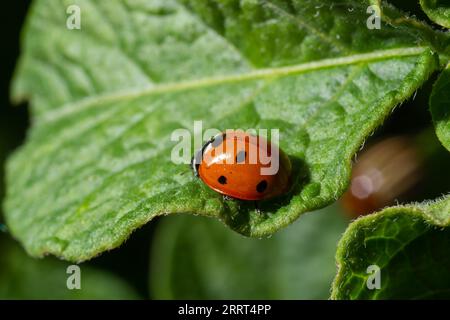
[438,11]
[197,258]
[22,277]
[439,104]
[410,246]
[106,98]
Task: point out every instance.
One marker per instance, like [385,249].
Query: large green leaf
[440,107]
[197,258]
[106,98]
[437,10]
[22,277]
[410,246]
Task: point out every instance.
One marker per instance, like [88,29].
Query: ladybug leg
[194,168]
[257,210]
[227,198]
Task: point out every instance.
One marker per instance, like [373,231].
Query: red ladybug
[243,166]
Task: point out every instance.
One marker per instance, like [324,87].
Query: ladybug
[243,166]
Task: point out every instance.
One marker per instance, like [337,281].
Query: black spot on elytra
[240,157]
[261,186]
[222,180]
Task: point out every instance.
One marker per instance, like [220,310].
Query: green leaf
[438,11]
[197,258]
[439,105]
[22,277]
[410,246]
[106,99]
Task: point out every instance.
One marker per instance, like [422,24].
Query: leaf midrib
[265,73]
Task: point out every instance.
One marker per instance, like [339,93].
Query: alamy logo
[73,20]
[74,280]
[256,146]
[374,279]
[374,20]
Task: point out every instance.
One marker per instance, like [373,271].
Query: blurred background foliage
[194,257]
[198,258]
[22,277]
